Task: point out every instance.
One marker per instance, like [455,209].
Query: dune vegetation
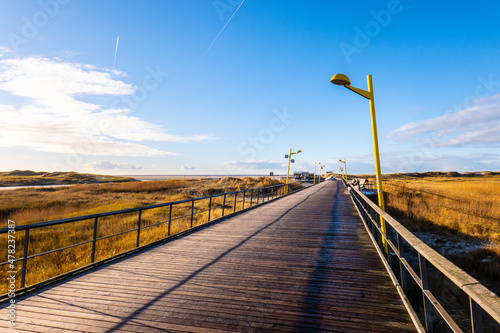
[464,205]
[31,205]
[32,178]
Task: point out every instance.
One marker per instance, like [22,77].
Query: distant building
[303,175]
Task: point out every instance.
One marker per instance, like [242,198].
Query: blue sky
[228,87]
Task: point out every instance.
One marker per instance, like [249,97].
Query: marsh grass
[26,206]
[468,207]
[32,178]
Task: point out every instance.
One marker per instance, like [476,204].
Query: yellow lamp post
[288,171]
[345,168]
[343,80]
[314,182]
[320,168]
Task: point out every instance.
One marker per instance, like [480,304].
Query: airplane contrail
[116,50]
[221,30]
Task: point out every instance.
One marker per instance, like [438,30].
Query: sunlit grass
[31,178]
[467,206]
[26,206]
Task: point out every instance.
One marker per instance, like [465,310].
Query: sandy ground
[451,244]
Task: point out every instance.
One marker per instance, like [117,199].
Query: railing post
[209,208]
[258,193]
[192,212]
[425,286]
[251,198]
[373,227]
[94,240]
[476,318]
[235,200]
[389,255]
[244,194]
[169,220]
[402,267]
[25,256]
[374,215]
[224,204]
[139,228]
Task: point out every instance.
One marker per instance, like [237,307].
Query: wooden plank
[302,263]
[342,318]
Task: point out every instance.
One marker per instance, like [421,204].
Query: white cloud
[254,165]
[478,125]
[4,50]
[101,165]
[183,167]
[421,161]
[56,118]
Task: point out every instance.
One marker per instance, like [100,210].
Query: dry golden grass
[34,205]
[26,206]
[467,206]
[30,178]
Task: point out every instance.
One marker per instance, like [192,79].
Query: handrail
[129,210]
[480,298]
[249,198]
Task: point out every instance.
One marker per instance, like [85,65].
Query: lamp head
[298,151]
[341,80]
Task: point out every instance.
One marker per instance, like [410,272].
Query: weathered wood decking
[302,263]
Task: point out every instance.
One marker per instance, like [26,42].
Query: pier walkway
[302,263]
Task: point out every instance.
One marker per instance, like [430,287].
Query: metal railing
[436,275]
[189,214]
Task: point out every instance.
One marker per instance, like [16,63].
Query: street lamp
[290,159]
[320,168]
[343,80]
[345,167]
[315,171]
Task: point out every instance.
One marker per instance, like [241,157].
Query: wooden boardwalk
[303,263]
